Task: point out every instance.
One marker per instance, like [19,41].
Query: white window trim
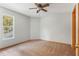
[3,38]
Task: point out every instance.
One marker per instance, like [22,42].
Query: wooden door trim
[74,28]
[78,32]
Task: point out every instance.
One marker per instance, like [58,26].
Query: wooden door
[75,42]
[74,29]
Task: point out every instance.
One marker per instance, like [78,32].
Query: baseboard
[32,40]
[1,48]
[56,41]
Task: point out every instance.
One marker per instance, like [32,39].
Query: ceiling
[24,8]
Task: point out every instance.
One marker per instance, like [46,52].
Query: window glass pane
[8,26]
[7,20]
[7,23]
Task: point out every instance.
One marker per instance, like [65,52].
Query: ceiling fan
[41,6]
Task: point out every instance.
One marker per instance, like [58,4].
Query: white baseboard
[57,41]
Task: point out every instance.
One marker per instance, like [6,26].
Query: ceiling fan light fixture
[41,6]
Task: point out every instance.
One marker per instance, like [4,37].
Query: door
[75,30]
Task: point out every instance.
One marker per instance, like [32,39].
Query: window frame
[13,32]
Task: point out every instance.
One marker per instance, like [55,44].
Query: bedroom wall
[22,28]
[34,28]
[56,27]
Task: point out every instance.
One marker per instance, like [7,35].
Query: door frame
[75,29]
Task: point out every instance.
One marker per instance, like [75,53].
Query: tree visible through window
[7,24]
[7,27]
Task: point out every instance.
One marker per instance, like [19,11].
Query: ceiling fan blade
[44,10]
[46,5]
[37,11]
[38,5]
[32,8]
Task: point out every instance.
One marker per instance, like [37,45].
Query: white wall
[35,28]
[22,28]
[56,27]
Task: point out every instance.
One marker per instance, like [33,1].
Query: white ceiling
[24,8]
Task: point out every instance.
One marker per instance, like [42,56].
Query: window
[7,28]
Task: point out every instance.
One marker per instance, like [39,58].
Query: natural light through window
[7,27]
